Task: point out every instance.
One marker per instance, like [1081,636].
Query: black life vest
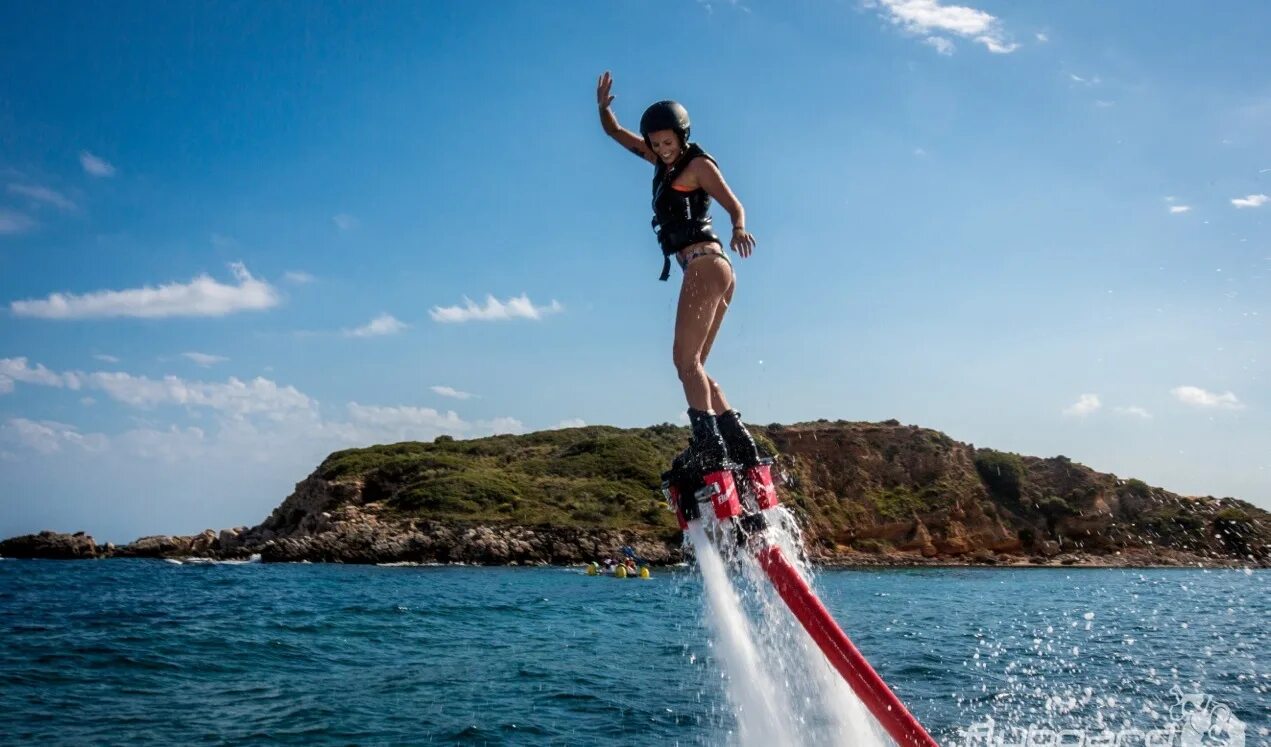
[679,218]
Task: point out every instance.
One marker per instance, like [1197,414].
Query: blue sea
[150,652]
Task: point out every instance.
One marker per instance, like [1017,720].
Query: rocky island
[865,494]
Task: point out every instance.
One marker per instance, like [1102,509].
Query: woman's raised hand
[743,242]
[603,98]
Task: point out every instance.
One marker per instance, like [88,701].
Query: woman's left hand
[743,242]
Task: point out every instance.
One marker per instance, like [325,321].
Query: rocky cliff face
[867,493]
[891,490]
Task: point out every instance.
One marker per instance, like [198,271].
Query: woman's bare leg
[718,403]
[706,282]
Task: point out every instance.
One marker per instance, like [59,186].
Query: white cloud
[446,391]
[298,277]
[494,310]
[941,44]
[404,420]
[43,195]
[570,423]
[344,221]
[1197,397]
[924,17]
[1091,81]
[384,324]
[1176,209]
[94,165]
[17,369]
[1085,405]
[173,444]
[1042,37]
[501,425]
[1104,103]
[106,358]
[1250,201]
[12,222]
[205,359]
[202,296]
[233,397]
[1133,411]
[49,436]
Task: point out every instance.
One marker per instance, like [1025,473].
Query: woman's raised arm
[625,138]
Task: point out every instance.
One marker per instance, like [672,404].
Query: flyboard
[739,499]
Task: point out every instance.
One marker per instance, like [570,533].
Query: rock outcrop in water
[867,493]
[54,545]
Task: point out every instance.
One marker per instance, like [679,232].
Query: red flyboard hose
[842,653]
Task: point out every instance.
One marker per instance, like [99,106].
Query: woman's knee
[689,367]
[688,362]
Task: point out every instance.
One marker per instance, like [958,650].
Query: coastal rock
[876,493]
[50,545]
[157,546]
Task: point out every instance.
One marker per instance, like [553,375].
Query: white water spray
[784,690]
[761,707]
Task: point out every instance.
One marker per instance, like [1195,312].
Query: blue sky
[236,237]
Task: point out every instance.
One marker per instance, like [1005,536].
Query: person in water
[685,178]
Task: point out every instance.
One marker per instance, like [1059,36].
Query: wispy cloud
[451,392]
[13,222]
[927,17]
[202,296]
[1093,80]
[384,324]
[1197,397]
[570,423]
[43,195]
[494,310]
[95,165]
[344,221]
[234,396]
[406,416]
[49,436]
[204,359]
[18,369]
[104,358]
[1176,209]
[1133,411]
[248,421]
[940,44]
[1041,37]
[298,277]
[1250,201]
[709,5]
[1085,405]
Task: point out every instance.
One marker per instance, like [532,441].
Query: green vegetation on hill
[871,486]
[592,476]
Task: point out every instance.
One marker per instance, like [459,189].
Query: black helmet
[665,115]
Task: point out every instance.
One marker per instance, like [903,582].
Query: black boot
[709,452]
[741,445]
